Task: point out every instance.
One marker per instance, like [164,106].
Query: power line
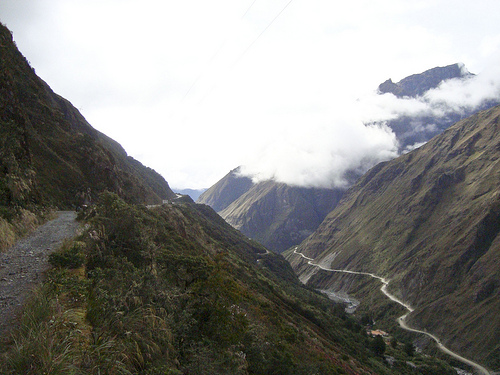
[236,62]
[248,10]
[262,33]
[221,47]
[249,46]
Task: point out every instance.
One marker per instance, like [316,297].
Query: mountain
[226,191]
[50,155]
[430,222]
[412,131]
[275,214]
[418,84]
[280,216]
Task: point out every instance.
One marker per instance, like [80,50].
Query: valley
[143,280]
[402,319]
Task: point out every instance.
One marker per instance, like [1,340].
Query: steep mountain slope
[275,214]
[278,215]
[226,190]
[430,221]
[175,290]
[50,155]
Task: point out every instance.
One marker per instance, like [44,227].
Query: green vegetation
[175,290]
[16,223]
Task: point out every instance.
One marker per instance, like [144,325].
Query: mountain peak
[417,84]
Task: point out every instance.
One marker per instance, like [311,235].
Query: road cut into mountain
[402,319]
[22,266]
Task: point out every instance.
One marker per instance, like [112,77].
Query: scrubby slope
[176,290]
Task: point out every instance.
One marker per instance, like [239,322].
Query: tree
[409,349]
[378,345]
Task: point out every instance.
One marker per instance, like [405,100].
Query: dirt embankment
[22,265]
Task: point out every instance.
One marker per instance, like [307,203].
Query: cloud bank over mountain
[320,156]
[355,136]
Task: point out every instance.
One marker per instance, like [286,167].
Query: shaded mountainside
[50,155]
[175,290]
[226,190]
[430,221]
[275,214]
[279,215]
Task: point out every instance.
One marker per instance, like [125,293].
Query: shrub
[7,235]
[378,345]
[69,256]
[409,349]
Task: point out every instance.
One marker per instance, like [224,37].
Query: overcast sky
[194,88]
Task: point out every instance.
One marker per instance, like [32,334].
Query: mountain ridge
[417,84]
[54,155]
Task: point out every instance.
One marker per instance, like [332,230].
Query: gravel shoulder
[22,265]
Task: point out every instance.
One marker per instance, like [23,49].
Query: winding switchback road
[22,265]
[402,319]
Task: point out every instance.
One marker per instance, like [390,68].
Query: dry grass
[7,234]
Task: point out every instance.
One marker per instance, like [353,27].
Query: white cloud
[190,88]
[320,154]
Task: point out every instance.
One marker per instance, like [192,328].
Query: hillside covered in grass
[175,290]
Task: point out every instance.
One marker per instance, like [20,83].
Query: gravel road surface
[22,265]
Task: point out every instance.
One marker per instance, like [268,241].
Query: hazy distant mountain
[414,130]
[429,221]
[279,215]
[275,214]
[50,155]
[417,84]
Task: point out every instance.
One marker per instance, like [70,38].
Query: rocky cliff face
[50,155]
[430,221]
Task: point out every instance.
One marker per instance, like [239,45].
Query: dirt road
[402,320]
[22,265]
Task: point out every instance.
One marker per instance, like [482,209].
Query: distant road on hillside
[402,319]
